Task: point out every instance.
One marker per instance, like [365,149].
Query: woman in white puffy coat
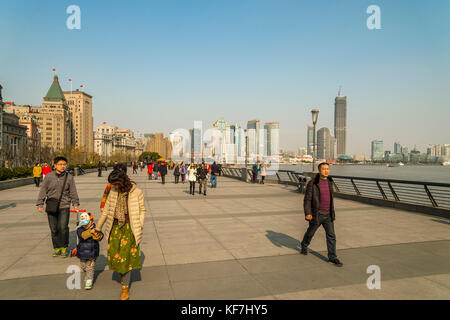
[192,177]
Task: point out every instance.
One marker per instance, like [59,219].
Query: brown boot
[124,295]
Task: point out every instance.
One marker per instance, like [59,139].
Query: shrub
[5,173]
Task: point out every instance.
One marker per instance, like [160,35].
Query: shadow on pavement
[283,240]
[441,221]
[135,274]
[12,205]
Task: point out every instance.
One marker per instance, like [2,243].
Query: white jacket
[192,174]
[136,213]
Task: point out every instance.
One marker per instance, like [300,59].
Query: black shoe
[336,262]
[304,251]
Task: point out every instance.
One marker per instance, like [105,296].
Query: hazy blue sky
[159,65]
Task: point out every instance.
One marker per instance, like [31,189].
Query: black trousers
[177,179]
[163,178]
[328,225]
[99,172]
[37,180]
[191,187]
[59,228]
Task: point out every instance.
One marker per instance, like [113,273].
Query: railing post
[430,196]
[335,186]
[393,192]
[356,189]
[382,191]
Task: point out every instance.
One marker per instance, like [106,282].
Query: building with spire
[55,119]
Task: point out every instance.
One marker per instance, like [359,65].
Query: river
[426,173]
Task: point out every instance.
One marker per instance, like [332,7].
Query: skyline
[241,61]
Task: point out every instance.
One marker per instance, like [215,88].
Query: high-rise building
[157,143]
[80,105]
[397,148]
[272,131]
[324,144]
[253,132]
[310,140]
[340,123]
[377,150]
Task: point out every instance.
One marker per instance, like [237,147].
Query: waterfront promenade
[241,241]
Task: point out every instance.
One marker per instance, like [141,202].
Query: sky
[155,66]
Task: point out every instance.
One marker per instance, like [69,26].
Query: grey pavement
[241,241]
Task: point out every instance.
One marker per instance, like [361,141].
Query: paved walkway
[241,241]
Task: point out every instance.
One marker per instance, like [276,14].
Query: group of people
[123,214]
[259,169]
[40,171]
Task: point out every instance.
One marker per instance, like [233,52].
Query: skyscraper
[253,139]
[397,148]
[340,123]
[272,131]
[377,153]
[310,140]
[324,144]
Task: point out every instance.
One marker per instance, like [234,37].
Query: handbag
[52,204]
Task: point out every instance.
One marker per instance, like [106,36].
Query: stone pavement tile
[302,279]
[36,265]
[233,287]
[443,279]
[46,287]
[195,256]
[278,263]
[208,270]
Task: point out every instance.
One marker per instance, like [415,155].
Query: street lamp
[315,115]
[39,139]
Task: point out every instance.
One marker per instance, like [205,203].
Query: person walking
[142,165]
[263,172]
[176,173]
[123,217]
[134,168]
[319,210]
[88,246]
[183,172]
[214,174]
[45,170]
[58,191]
[202,174]
[37,173]
[100,168]
[254,172]
[192,177]
[150,171]
[121,167]
[155,170]
[163,171]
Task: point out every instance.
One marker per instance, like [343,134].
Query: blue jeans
[155,174]
[213,181]
[59,228]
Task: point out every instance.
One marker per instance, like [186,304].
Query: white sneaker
[88,284]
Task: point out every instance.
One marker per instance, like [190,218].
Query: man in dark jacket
[319,210]
[163,171]
[202,173]
[59,221]
[214,173]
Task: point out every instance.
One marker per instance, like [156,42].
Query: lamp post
[315,115]
[39,139]
[246,149]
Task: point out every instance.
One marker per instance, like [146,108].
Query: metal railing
[428,194]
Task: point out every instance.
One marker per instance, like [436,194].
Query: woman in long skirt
[123,216]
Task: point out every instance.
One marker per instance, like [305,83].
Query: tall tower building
[310,140]
[272,131]
[54,119]
[340,123]
[80,105]
[253,127]
[324,144]
[377,152]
